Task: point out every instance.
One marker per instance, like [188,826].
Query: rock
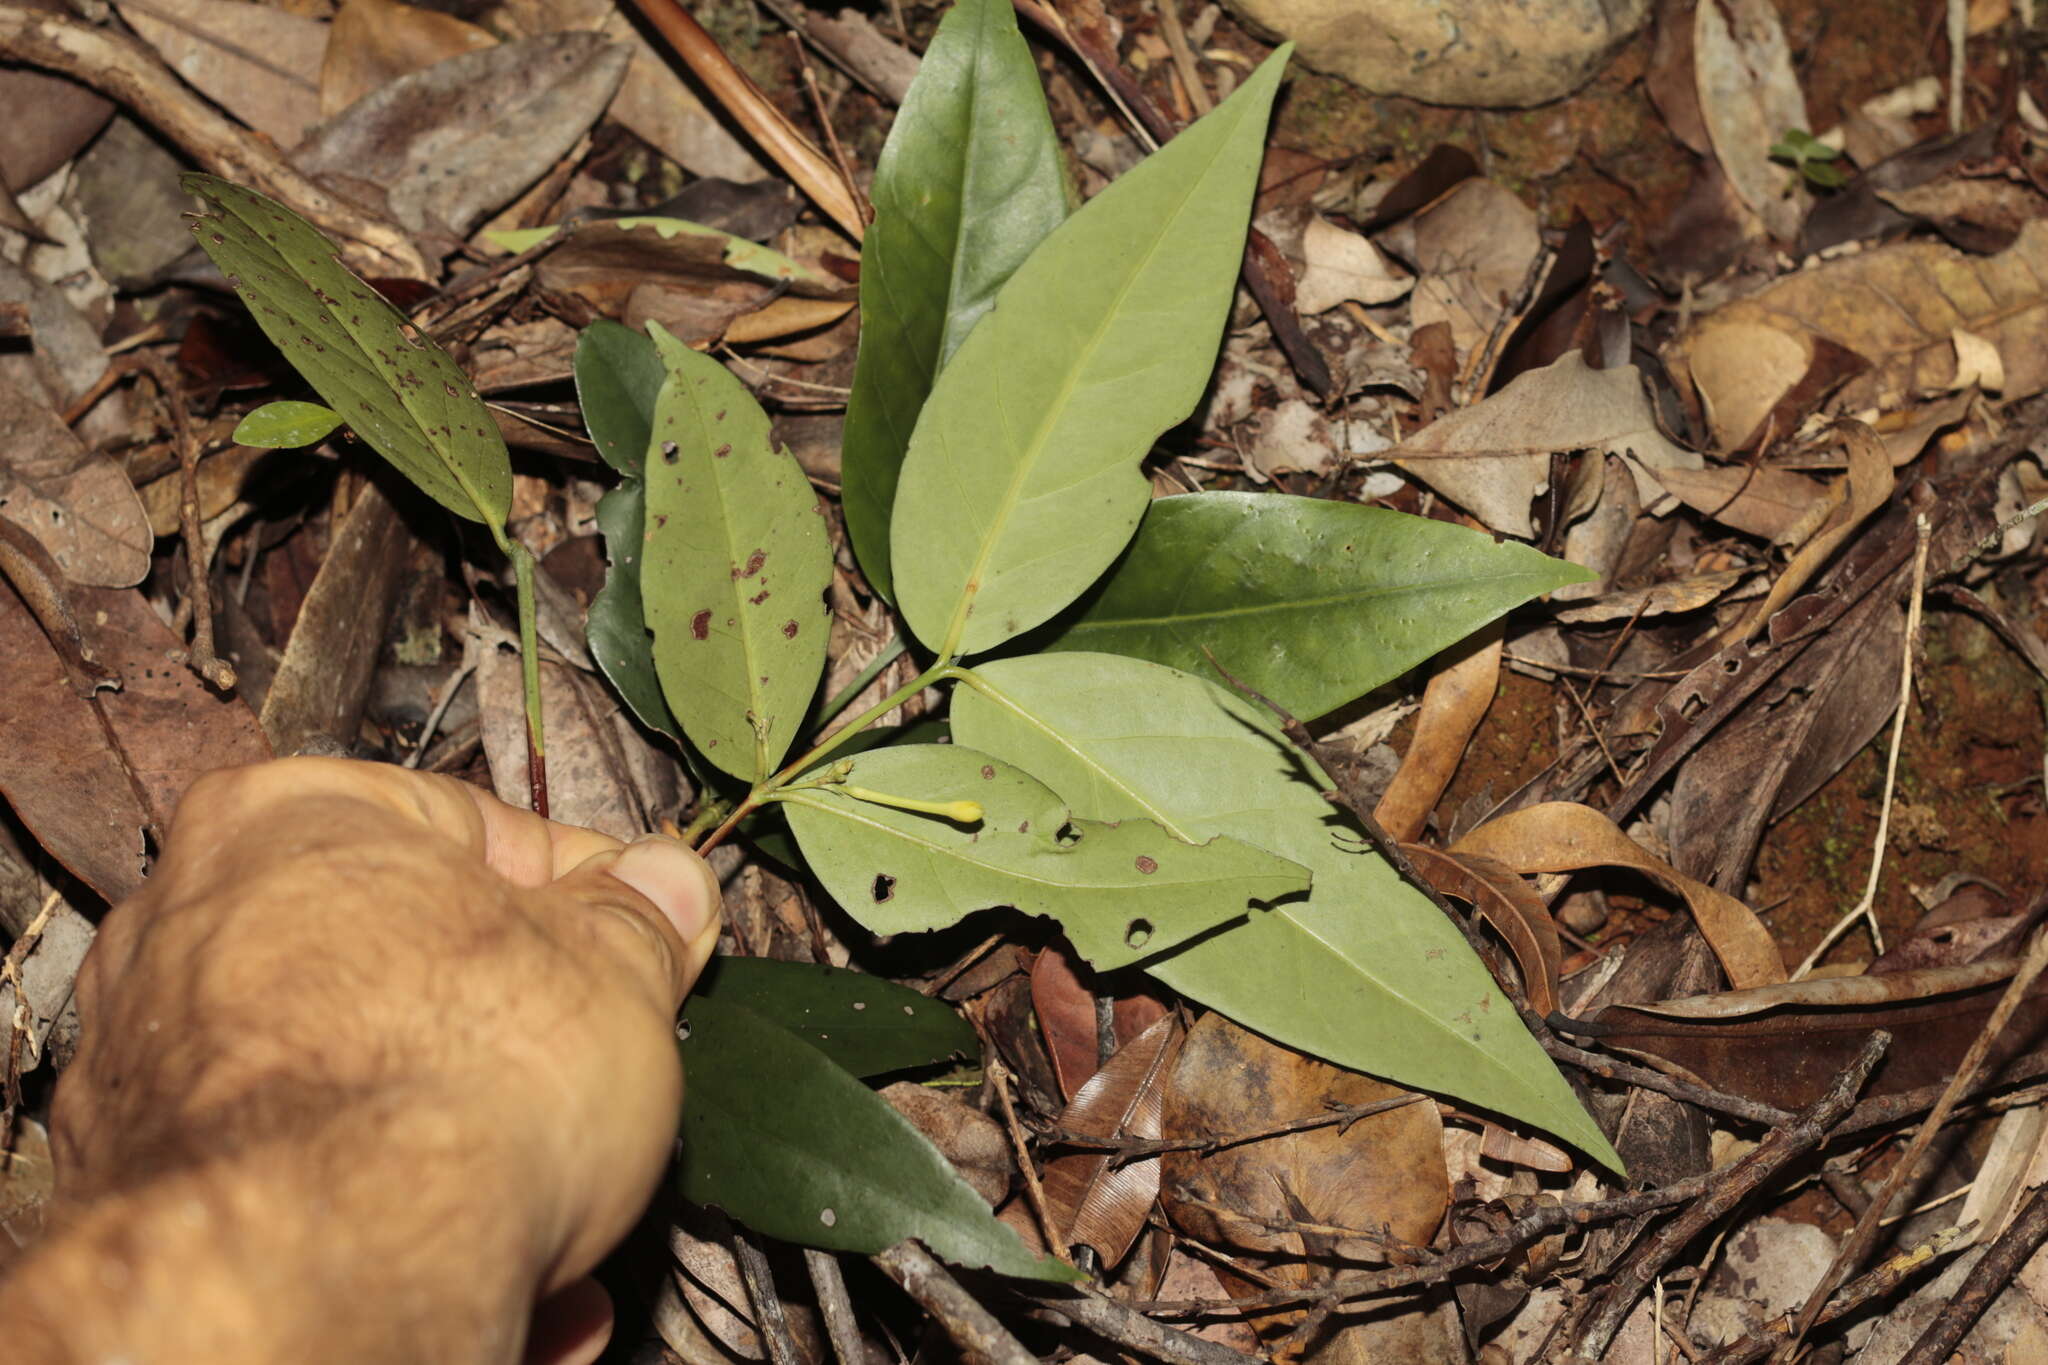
[1474,53]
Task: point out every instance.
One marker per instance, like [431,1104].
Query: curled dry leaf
[79,505]
[1095,1201]
[1659,599]
[1505,901]
[261,63]
[1452,706]
[1559,836]
[1897,307]
[1870,486]
[1337,265]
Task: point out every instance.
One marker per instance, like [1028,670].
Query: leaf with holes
[735,568]
[865,1024]
[782,1139]
[1312,602]
[1121,891]
[390,382]
[1365,973]
[287,425]
[1022,482]
[967,184]
[618,381]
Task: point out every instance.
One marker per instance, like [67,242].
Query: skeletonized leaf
[393,385]
[1365,973]
[967,184]
[1312,602]
[618,379]
[863,1023]
[735,569]
[785,1141]
[1122,891]
[1022,482]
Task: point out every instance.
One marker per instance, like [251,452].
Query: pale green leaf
[967,184]
[735,568]
[1309,601]
[286,425]
[789,1144]
[1121,891]
[1366,972]
[396,388]
[1022,481]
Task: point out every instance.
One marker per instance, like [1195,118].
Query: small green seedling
[1812,158]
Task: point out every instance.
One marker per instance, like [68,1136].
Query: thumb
[663,894]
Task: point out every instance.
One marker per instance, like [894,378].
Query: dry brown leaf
[1338,265]
[221,477]
[1505,901]
[79,505]
[373,42]
[1093,1201]
[972,1141]
[257,62]
[1560,836]
[1776,504]
[1898,307]
[1659,599]
[1748,96]
[1870,487]
[1453,704]
[1493,457]
[787,316]
[1471,251]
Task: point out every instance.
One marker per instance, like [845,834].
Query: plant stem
[890,653]
[529,671]
[824,748]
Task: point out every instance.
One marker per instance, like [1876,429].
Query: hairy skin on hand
[372,1064]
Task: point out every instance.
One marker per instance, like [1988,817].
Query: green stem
[529,669]
[890,653]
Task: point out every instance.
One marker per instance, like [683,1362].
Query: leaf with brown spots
[735,568]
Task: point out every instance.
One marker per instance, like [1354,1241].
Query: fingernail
[675,879]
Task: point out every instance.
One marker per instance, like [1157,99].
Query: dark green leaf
[286,425]
[865,1024]
[391,383]
[791,1145]
[967,184]
[1309,601]
[618,381]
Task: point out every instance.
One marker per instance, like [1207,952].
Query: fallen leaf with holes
[1321,1193]
[1094,1200]
[79,505]
[1493,457]
[1453,704]
[1559,836]
[261,63]
[1897,307]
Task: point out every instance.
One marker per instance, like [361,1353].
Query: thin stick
[839,158]
[448,691]
[198,558]
[1778,1149]
[1129,1149]
[999,1075]
[769,1319]
[1113,1321]
[1856,1249]
[981,1339]
[1864,909]
[835,1305]
[1986,1280]
[1183,56]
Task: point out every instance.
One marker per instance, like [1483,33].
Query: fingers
[662,894]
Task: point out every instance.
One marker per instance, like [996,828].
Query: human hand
[372,1064]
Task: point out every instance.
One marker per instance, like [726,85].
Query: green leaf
[390,382]
[740,254]
[286,425]
[1122,891]
[1366,972]
[865,1024]
[786,1142]
[618,381]
[967,184]
[1309,601]
[1022,481]
[735,569]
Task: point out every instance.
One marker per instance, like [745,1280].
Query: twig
[835,1305]
[769,1319]
[198,557]
[839,158]
[1865,908]
[1856,1249]
[1113,1321]
[1396,1249]
[1176,36]
[981,1339]
[124,70]
[999,1076]
[25,563]
[1778,1149]
[1627,1073]
[1130,1149]
[1985,1281]
[20,1027]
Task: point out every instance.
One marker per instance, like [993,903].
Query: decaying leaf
[79,505]
[1558,836]
[1749,96]
[1897,307]
[1096,1201]
[1870,487]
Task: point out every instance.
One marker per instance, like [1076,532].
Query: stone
[1467,53]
